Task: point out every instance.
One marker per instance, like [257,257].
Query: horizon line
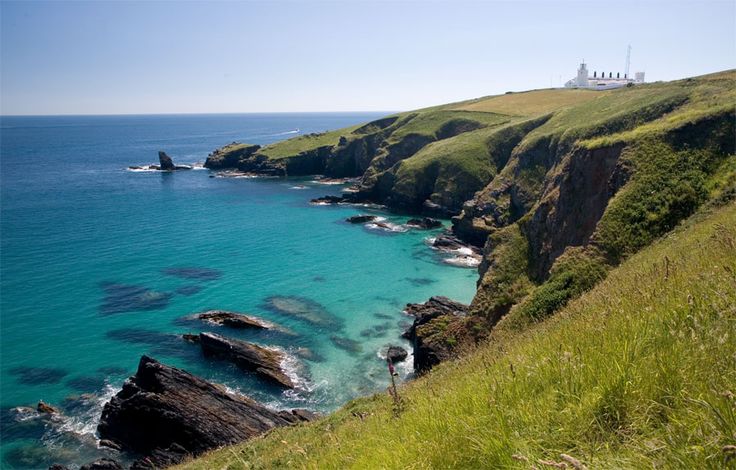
[192,113]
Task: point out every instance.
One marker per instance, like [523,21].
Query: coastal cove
[101,265]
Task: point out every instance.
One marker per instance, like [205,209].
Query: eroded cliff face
[548,239]
[554,197]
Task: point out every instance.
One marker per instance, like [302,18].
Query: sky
[125,57]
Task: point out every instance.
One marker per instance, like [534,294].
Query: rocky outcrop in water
[328,200]
[361,219]
[165,414]
[247,356]
[165,162]
[428,331]
[233,320]
[396,354]
[424,223]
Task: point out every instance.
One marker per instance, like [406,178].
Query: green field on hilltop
[296,145]
[639,372]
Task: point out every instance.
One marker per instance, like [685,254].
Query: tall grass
[639,372]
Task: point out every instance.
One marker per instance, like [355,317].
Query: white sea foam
[386,226]
[143,169]
[86,422]
[294,369]
[463,261]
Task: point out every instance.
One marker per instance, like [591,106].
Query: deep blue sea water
[91,276]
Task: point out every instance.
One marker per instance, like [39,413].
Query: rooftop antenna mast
[628,61]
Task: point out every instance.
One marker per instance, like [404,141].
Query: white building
[599,81]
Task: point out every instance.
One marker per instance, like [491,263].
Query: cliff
[567,192]
[557,185]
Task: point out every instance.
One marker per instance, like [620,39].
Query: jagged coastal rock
[230,156]
[165,413]
[396,354]
[233,320]
[165,163]
[328,200]
[427,331]
[361,219]
[424,223]
[102,464]
[264,362]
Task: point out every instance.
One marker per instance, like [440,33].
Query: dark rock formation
[165,162]
[46,408]
[190,338]
[166,413]
[110,444]
[233,320]
[425,223]
[230,156]
[431,318]
[448,242]
[360,219]
[396,354]
[102,464]
[325,200]
[247,356]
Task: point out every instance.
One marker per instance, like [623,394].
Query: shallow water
[99,266]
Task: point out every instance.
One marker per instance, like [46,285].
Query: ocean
[100,265]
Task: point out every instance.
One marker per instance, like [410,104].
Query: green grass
[304,143]
[639,372]
[531,103]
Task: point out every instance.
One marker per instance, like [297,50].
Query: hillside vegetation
[589,337]
[639,372]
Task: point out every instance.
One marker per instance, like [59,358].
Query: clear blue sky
[110,57]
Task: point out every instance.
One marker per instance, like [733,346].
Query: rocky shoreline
[164,415]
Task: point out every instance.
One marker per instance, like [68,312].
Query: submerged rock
[196,273]
[38,375]
[188,290]
[161,407]
[265,362]
[431,318]
[346,344]
[304,309]
[121,298]
[425,223]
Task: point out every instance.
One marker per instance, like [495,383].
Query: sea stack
[165,162]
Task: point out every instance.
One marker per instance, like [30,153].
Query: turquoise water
[91,281]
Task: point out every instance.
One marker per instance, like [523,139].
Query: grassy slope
[296,145]
[640,372]
[531,103]
[429,120]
